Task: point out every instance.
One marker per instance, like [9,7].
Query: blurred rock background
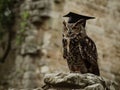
[38,30]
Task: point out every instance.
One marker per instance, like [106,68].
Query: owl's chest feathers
[68,44]
[73,46]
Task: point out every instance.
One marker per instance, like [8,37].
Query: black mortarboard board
[73,17]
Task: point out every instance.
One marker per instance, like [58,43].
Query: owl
[78,49]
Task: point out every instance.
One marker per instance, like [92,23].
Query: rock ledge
[77,81]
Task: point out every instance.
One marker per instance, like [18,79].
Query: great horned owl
[78,49]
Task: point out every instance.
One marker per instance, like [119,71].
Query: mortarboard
[73,17]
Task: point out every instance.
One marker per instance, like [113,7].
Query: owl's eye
[74,28]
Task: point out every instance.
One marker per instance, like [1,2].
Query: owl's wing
[89,51]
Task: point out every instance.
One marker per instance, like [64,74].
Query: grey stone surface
[37,9]
[78,81]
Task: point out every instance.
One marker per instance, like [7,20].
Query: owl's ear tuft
[64,23]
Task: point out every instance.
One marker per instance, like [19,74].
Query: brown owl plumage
[78,49]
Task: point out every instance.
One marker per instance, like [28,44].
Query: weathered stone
[36,19]
[37,9]
[35,13]
[28,64]
[46,40]
[57,1]
[30,49]
[95,87]
[39,4]
[78,81]
[29,75]
[44,69]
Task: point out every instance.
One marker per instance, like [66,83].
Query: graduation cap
[73,17]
